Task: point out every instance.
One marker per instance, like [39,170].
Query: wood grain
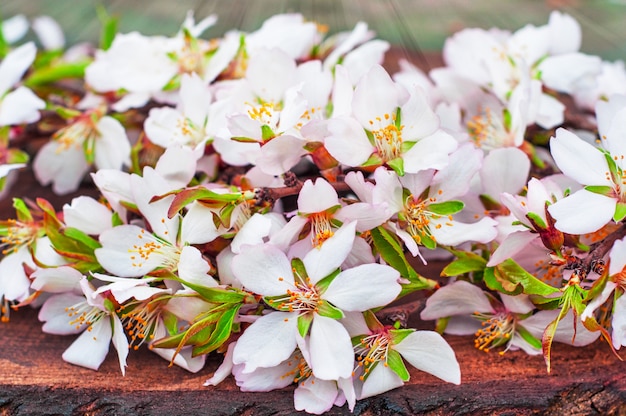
[34,380]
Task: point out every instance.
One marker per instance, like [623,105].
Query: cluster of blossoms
[266,195]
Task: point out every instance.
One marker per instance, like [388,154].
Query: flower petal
[322,261]
[331,350]
[91,347]
[578,159]
[429,352]
[458,298]
[264,270]
[582,212]
[380,380]
[315,396]
[364,287]
[270,340]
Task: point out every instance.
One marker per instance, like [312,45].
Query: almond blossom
[20,105]
[389,126]
[310,302]
[424,203]
[92,315]
[599,169]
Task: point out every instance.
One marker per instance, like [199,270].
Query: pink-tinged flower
[93,316]
[389,126]
[134,63]
[424,203]
[20,105]
[308,303]
[320,209]
[496,324]
[425,350]
[616,286]
[87,215]
[601,170]
[91,139]
[531,211]
[186,125]
[311,394]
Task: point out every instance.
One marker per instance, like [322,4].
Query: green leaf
[406,146]
[304,323]
[220,333]
[216,295]
[548,337]
[323,284]
[326,309]
[109,28]
[370,137]
[373,160]
[170,321]
[59,71]
[514,273]
[395,362]
[17,156]
[497,283]
[446,208]
[390,250]
[76,234]
[620,212]
[398,121]
[299,271]
[203,195]
[397,165]
[393,254]
[506,118]
[22,211]
[464,265]
[599,189]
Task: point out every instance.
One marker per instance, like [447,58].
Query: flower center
[139,319]
[74,135]
[497,330]
[371,350]
[265,113]
[321,228]
[17,234]
[140,254]
[300,371]
[419,219]
[487,131]
[304,297]
[190,134]
[84,314]
[388,139]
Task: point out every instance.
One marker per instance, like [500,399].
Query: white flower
[91,314]
[390,126]
[425,216]
[424,350]
[66,158]
[302,300]
[187,124]
[599,170]
[21,105]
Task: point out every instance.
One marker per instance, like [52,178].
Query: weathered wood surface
[34,380]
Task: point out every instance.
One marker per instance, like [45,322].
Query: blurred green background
[422,24]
